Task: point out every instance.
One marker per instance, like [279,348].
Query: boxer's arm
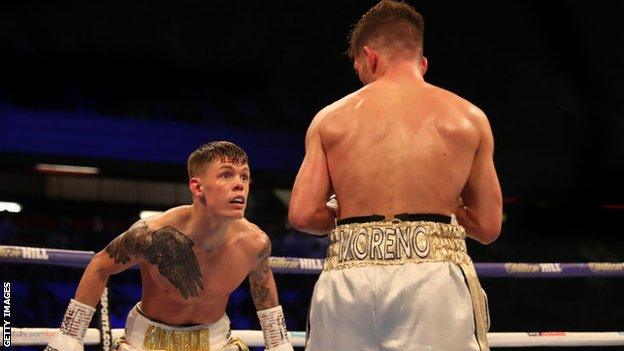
[264,293]
[96,276]
[261,281]
[308,211]
[119,255]
[482,211]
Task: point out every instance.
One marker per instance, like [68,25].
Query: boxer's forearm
[263,289]
[319,222]
[80,310]
[470,221]
[270,313]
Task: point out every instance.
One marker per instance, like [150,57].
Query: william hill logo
[35,253]
[533,267]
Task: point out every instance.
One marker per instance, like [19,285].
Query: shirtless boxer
[191,257]
[399,154]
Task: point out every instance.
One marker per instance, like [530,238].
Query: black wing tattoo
[132,243]
[173,253]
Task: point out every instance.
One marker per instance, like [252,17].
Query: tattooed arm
[122,253]
[166,248]
[270,313]
[261,282]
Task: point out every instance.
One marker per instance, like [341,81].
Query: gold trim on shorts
[157,338]
[479,305]
[394,243]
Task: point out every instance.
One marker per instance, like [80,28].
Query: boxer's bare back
[401,145]
[399,141]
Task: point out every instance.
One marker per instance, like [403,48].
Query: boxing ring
[290,265]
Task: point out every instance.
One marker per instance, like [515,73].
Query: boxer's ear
[371,58]
[424,64]
[195,186]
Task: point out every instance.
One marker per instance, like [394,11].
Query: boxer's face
[225,187]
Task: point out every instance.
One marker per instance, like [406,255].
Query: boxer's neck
[403,69]
[208,231]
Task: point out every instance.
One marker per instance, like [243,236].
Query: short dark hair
[396,23]
[207,153]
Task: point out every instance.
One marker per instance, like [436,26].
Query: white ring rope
[296,265]
[40,336]
[254,338]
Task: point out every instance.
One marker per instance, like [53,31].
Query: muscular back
[399,148]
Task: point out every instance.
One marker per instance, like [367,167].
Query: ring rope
[40,336]
[295,265]
[79,259]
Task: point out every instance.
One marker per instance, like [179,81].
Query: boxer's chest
[221,273]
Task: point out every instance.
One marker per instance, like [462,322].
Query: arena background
[133,87]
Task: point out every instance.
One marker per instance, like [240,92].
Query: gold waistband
[387,243]
[393,243]
[157,338]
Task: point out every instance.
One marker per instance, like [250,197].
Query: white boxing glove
[73,328]
[63,342]
[274,329]
[332,204]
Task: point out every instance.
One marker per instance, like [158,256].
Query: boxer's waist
[154,335]
[139,309]
[355,244]
[403,217]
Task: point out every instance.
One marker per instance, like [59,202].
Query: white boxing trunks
[142,333]
[398,285]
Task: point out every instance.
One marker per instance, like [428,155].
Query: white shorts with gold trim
[398,286]
[142,333]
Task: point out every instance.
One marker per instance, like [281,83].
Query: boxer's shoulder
[148,237]
[456,102]
[175,217]
[332,121]
[251,238]
[336,108]
[243,225]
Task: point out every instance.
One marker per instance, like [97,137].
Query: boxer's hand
[73,328]
[274,329]
[63,342]
[332,204]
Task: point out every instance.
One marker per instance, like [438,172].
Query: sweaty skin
[188,275]
[399,145]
